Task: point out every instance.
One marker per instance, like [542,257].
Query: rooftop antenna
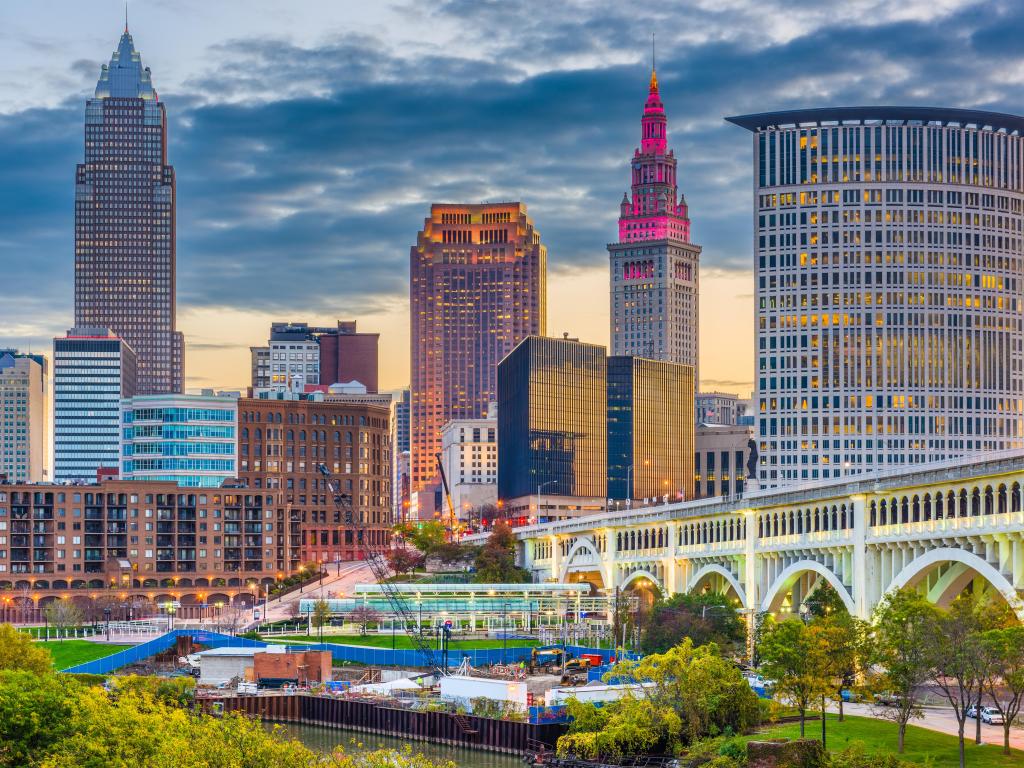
[126,17]
[654,60]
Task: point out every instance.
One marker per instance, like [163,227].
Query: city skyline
[230,68]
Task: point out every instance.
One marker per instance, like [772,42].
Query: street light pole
[539,488]
[504,630]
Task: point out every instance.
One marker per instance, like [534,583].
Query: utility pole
[615,619]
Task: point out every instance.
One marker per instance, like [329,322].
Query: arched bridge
[941,529]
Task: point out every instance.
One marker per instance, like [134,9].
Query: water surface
[325,739]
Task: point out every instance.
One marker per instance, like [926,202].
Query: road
[943,720]
[333,585]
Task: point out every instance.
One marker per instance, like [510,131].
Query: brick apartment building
[281,444]
[130,535]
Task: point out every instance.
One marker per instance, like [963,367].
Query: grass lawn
[923,747]
[72,652]
[402,642]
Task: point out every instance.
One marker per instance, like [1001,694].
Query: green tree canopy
[687,693]
[496,560]
[899,650]
[795,659]
[19,651]
[704,618]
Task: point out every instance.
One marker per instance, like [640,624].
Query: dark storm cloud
[304,173]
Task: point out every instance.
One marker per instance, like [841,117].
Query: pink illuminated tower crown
[654,266]
[656,210]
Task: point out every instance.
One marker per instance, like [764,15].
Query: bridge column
[672,578]
[858,576]
[750,562]
[1017,560]
[556,558]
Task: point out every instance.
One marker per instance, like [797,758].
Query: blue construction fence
[376,657]
[157,645]
[386,657]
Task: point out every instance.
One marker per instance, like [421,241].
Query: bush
[854,756]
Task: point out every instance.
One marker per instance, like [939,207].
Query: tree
[64,615]
[704,618]
[404,559]
[900,646]
[19,651]
[426,536]
[1004,678]
[321,616]
[840,641]
[843,640]
[825,601]
[795,659]
[363,615]
[987,614]
[56,721]
[496,560]
[954,653]
[35,713]
[688,693]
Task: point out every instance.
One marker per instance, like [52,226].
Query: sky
[309,139]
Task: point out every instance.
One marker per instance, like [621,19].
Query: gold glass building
[650,429]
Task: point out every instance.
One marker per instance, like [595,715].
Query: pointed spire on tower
[654,67]
[126,17]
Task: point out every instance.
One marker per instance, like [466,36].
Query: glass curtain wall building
[187,439]
[552,423]
[92,370]
[888,248]
[650,429]
[125,221]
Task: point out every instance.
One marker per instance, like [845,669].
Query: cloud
[304,173]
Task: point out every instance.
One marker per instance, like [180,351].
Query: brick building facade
[129,535]
[281,444]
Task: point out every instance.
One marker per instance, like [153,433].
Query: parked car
[972,712]
[888,699]
[992,716]
[850,696]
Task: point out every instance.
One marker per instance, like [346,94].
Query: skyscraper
[654,266]
[478,287]
[24,412]
[92,370]
[124,221]
[553,429]
[888,251]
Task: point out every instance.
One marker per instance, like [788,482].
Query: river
[325,739]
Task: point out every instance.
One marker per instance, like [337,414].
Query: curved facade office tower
[888,249]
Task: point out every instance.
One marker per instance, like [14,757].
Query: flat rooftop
[886,115]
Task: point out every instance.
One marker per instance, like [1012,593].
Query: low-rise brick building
[151,539]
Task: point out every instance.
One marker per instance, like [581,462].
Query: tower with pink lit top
[654,266]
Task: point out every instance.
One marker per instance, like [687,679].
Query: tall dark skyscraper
[124,221]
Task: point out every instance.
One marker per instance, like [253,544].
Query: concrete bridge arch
[790,576]
[964,567]
[714,570]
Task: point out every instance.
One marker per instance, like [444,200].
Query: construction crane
[448,496]
[377,561]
